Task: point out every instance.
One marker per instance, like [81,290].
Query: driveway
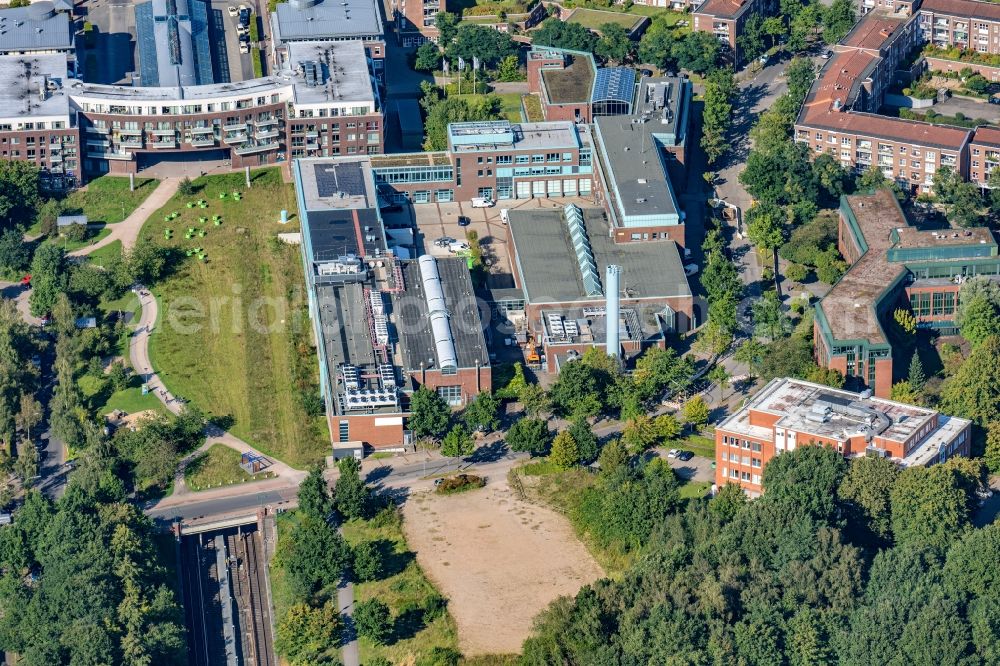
[696,469]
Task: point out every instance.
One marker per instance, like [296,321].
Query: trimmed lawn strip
[105,199]
[698,445]
[219,466]
[103,256]
[594,19]
[131,401]
[233,335]
[694,489]
[405,588]
[512,106]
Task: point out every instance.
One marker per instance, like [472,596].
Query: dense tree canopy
[101,595]
[563,35]
[784,580]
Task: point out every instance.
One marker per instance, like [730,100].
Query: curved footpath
[127,231]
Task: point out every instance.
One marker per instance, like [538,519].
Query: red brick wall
[363,428]
[465,377]
[883,377]
[721,466]
[570,112]
[674,233]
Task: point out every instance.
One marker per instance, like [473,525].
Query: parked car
[685,456]
[232,10]
[483,202]
[464,221]
[827,55]
[444,241]
[244,15]
[672,453]
[690,269]
[994,99]
[648,73]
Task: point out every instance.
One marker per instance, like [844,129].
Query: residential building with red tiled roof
[726,18]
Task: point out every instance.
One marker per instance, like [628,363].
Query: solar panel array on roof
[333,179]
[614,88]
[584,253]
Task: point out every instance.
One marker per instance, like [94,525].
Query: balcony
[162,144]
[312,134]
[55,157]
[202,130]
[98,130]
[265,134]
[202,142]
[312,146]
[111,155]
[131,132]
[239,137]
[163,132]
[98,143]
[131,143]
[266,123]
[249,149]
[235,127]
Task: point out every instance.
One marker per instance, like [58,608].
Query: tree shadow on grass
[408,624]
[393,562]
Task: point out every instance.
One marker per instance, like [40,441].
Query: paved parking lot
[435,220]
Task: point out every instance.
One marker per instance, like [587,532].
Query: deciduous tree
[429,413]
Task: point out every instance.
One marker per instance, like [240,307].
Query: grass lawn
[131,401]
[404,590]
[105,199]
[533,107]
[93,235]
[695,489]
[104,255]
[233,335]
[219,466]
[698,445]
[512,106]
[594,19]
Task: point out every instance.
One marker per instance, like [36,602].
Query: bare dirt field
[497,559]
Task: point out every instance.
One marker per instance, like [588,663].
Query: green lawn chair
[188,253]
[218,222]
[190,204]
[223,195]
[201,233]
[202,257]
[203,219]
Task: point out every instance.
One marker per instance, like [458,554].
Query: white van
[505,215]
[482,202]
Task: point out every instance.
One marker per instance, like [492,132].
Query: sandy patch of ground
[497,559]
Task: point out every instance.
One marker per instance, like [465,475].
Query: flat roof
[911,237]
[413,326]
[36,27]
[873,30]
[591,325]
[636,166]
[23,77]
[342,74]
[573,83]
[327,19]
[549,271]
[849,307]
[487,135]
[839,415]
[969,9]
[336,183]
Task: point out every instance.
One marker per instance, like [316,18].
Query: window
[755,462]
[345,431]
[450,394]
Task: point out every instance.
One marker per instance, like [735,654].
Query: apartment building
[493,159]
[892,264]
[725,19]
[984,154]
[788,413]
[969,24]
[385,326]
[327,105]
[415,20]
[839,113]
[329,21]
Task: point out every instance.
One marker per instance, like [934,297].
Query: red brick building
[788,413]
[725,19]
[384,326]
[892,265]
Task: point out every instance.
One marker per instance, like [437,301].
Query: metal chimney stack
[612,309]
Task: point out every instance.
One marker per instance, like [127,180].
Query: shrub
[460,483]
[796,272]
[367,564]
[373,620]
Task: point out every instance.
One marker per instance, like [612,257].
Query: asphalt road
[247,500]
